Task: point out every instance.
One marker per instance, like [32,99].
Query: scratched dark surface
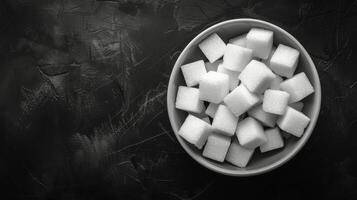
[83,100]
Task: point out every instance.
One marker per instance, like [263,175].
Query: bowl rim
[301,142]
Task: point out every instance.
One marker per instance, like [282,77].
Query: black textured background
[83,100]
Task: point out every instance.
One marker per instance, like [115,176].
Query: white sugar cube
[224,121]
[256,76]
[260,41]
[275,84]
[216,147]
[238,155]
[275,101]
[195,131]
[233,76]
[213,47]
[284,61]
[275,141]
[236,58]
[267,119]
[211,109]
[240,100]
[187,99]
[214,87]
[213,66]
[240,40]
[298,87]
[192,72]
[267,61]
[293,122]
[250,133]
[297,106]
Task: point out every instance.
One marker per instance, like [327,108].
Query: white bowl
[260,163]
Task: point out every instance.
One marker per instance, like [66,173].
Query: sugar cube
[213,47]
[224,121]
[256,76]
[275,101]
[284,60]
[293,122]
[195,131]
[297,106]
[275,84]
[192,72]
[187,99]
[275,141]
[216,147]
[238,155]
[267,119]
[250,133]
[260,41]
[267,61]
[240,100]
[211,109]
[236,58]
[213,66]
[240,40]
[298,87]
[214,87]
[233,76]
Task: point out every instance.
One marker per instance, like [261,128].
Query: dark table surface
[83,100]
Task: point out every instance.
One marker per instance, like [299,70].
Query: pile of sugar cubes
[246,96]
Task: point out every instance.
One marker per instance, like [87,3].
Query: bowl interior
[260,162]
